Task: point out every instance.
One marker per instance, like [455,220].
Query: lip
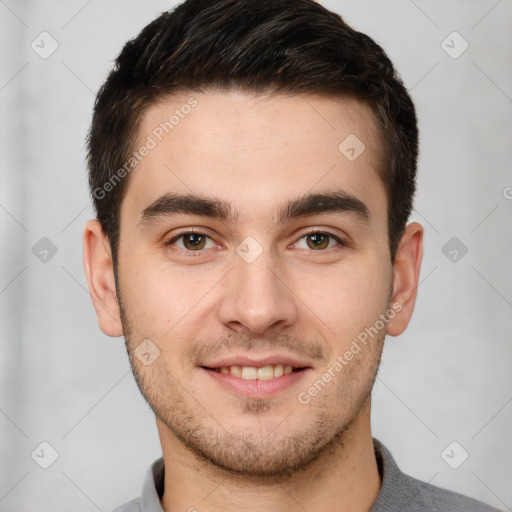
[257,388]
[257,361]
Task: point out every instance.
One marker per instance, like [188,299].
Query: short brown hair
[281,46]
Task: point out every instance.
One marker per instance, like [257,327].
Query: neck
[344,477]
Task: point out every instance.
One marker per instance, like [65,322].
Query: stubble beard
[269,454]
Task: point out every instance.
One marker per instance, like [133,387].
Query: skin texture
[256,153]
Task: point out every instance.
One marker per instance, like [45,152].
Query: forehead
[253,150]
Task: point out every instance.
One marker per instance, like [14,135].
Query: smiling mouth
[267,372]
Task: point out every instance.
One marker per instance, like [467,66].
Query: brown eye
[317,241]
[191,242]
[194,241]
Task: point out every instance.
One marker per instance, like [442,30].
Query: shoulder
[152,490]
[403,492]
[443,500]
[132,506]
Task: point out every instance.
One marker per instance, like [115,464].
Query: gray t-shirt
[398,492]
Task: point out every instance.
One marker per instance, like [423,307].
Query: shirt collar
[153,487]
[391,480]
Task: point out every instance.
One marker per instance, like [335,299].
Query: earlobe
[406,277]
[99,271]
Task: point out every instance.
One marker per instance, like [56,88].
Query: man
[252,165]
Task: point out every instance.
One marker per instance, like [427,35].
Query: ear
[99,270]
[406,277]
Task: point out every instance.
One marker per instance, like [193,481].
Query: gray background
[446,379]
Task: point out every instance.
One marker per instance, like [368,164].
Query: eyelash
[200,252]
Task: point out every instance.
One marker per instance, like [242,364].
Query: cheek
[159,298]
[347,298]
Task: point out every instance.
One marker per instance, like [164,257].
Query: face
[245,295]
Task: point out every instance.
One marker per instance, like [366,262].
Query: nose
[256,296]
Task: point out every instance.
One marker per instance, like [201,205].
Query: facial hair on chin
[268,458]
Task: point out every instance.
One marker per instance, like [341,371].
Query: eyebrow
[310,204]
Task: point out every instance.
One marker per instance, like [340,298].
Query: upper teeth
[262,373]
